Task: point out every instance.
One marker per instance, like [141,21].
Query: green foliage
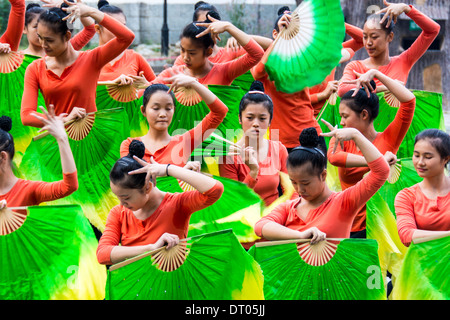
[5,7]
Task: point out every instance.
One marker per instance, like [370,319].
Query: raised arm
[16,21]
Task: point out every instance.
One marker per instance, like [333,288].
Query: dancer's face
[351,119]
[132,199]
[53,43]
[427,160]
[255,120]
[375,39]
[31,31]
[194,56]
[305,182]
[104,34]
[159,110]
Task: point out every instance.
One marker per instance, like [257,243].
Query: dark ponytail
[53,18]
[310,151]
[6,139]
[361,102]
[105,7]
[119,173]
[377,18]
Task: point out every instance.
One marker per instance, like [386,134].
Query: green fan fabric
[425,272]
[137,123]
[381,220]
[52,256]
[353,273]
[308,58]
[427,114]
[11,89]
[94,156]
[216,268]
[244,81]
[186,117]
[239,208]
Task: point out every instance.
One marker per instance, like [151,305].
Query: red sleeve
[404,210]
[244,63]
[356,42]
[145,66]
[16,22]
[398,128]
[283,158]
[278,215]
[111,236]
[124,147]
[218,111]
[123,38]
[348,75]
[356,196]
[339,157]
[192,201]
[430,30]
[178,61]
[49,191]
[83,37]
[30,97]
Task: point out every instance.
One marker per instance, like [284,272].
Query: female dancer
[378,34]
[197,45]
[158,108]
[148,218]
[58,74]
[359,111]
[126,63]
[424,209]
[260,160]
[15,192]
[35,48]
[314,214]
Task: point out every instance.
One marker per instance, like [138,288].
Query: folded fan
[304,53]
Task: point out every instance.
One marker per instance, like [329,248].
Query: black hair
[361,102]
[192,30]
[105,7]
[378,18]
[256,95]
[33,10]
[280,13]
[119,173]
[53,18]
[150,90]
[439,139]
[204,6]
[6,139]
[310,151]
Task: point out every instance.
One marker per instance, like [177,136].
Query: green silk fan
[427,114]
[12,75]
[95,144]
[381,222]
[190,109]
[212,266]
[239,208]
[49,253]
[333,269]
[244,81]
[425,271]
[304,53]
[110,96]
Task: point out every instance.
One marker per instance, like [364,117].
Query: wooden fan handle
[278,242]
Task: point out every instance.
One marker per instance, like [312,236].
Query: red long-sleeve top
[222,73]
[172,216]
[399,66]
[16,21]
[336,214]
[268,179]
[414,210]
[223,55]
[76,86]
[32,193]
[180,147]
[388,140]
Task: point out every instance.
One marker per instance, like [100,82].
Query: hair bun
[198,4]
[372,84]
[5,123]
[213,14]
[136,148]
[282,10]
[33,5]
[102,3]
[257,86]
[309,138]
